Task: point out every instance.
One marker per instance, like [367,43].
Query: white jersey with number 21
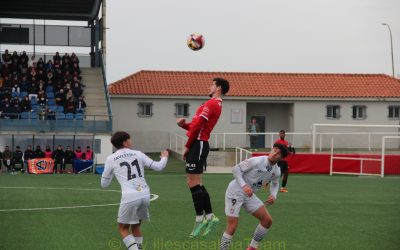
[128,167]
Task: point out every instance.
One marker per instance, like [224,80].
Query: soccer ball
[195,41]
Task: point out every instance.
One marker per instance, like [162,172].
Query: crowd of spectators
[17,160]
[44,88]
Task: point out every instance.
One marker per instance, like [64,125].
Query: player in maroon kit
[282,163]
[196,152]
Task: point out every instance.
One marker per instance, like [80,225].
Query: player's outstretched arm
[157,165]
[107,175]
[182,123]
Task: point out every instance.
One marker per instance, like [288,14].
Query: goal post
[362,165]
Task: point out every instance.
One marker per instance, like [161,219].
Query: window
[182,110]
[333,111]
[359,112]
[145,109]
[394,112]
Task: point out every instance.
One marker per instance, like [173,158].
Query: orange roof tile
[189,83]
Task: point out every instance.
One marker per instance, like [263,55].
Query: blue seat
[25,115]
[33,115]
[49,89]
[53,107]
[23,94]
[15,94]
[60,109]
[33,101]
[60,116]
[51,102]
[79,116]
[50,95]
[69,116]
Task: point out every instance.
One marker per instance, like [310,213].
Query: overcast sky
[310,36]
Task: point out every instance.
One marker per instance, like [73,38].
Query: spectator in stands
[65,59]
[43,114]
[49,66]
[57,57]
[15,57]
[17,159]
[7,158]
[6,58]
[5,71]
[32,70]
[5,108]
[28,155]
[74,58]
[75,68]
[80,105]
[88,155]
[32,91]
[48,153]
[23,59]
[70,106]
[69,156]
[78,153]
[16,90]
[49,79]
[60,98]
[58,156]
[40,64]
[77,90]
[42,100]
[57,64]
[15,108]
[26,105]
[24,84]
[51,115]
[38,152]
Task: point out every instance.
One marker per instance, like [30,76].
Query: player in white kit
[250,175]
[128,167]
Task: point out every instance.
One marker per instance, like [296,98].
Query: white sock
[199,218]
[139,241]
[258,235]
[209,216]
[225,241]
[130,242]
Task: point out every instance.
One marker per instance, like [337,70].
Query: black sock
[206,200]
[197,196]
[284,181]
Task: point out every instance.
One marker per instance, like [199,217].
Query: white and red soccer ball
[195,41]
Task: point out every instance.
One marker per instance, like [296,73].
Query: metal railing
[33,122]
[105,87]
[239,154]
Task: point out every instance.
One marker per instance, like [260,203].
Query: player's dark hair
[224,84]
[284,150]
[282,131]
[118,138]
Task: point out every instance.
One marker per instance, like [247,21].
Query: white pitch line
[153,197]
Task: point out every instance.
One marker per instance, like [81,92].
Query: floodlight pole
[391,45]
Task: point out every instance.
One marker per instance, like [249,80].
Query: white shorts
[134,212]
[234,204]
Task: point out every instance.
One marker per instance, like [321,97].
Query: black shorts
[196,159]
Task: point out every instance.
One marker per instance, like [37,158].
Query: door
[261,138]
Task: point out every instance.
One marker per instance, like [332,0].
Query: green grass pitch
[319,212]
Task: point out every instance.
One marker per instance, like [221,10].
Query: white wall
[152,134]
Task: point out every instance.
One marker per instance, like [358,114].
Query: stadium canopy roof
[70,10]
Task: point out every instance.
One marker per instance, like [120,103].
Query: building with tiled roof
[147,103]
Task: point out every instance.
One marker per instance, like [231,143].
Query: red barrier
[320,163]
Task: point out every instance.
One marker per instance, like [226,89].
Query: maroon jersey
[283,142]
[199,128]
